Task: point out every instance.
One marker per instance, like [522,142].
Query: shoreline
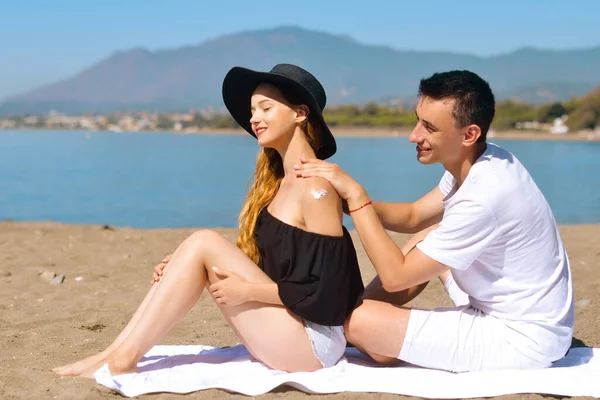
[513,134]
[363,132]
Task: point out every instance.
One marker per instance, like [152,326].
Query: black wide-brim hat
[239,85]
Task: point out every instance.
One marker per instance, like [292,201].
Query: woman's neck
[298,146]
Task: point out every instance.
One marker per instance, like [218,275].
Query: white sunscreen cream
[317,194]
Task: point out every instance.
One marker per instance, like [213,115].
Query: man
[497,248]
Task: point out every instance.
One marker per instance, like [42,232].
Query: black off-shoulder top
[317,275]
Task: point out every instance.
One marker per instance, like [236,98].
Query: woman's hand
[159,269]
[348,189]
[231,290]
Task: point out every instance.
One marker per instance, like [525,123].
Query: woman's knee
[206,238]
[201,246]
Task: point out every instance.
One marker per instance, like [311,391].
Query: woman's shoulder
[316,188]
[321,207]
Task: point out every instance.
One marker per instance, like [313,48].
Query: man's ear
[471,135]
[302,114]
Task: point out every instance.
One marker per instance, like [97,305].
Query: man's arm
[396,271]
[411,217]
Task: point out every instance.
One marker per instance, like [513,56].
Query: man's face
[437,136]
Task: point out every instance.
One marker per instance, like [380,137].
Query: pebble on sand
[58,279]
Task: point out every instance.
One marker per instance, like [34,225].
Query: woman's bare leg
[271,333]
[79,367]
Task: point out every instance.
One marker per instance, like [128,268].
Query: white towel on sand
[184,369]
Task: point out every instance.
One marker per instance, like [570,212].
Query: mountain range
[351,72]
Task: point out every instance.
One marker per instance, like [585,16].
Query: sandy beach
[107,271]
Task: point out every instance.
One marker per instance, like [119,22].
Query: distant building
[31,120]
[559,127]
[8,124]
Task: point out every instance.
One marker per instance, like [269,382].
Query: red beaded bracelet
[364,205]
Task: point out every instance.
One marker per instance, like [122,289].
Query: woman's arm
[264,293]
[233,290]
[321,207]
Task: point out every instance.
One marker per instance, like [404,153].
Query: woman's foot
[117,365]
[122,360]
[121,368]
[91,370]
[81,366]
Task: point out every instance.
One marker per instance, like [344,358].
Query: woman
[293,278]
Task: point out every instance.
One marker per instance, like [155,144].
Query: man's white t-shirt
[500,238]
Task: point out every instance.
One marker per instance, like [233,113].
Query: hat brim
[239,85]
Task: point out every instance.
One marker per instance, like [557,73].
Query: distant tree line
[583,113]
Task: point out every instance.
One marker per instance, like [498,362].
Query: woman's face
[273,119]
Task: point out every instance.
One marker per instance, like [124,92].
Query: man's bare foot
[79,367]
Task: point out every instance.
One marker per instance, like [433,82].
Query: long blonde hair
[267,179]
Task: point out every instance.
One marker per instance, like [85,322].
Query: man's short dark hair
[473,98]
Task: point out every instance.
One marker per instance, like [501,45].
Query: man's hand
[159,269]
[231,290]
[346,187]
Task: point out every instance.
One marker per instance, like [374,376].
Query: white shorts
[328,342]
[460,339]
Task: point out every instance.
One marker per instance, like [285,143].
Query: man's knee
[358,330]
[416,238]
[384,360]
[356,326]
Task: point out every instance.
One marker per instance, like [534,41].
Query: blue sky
[44,41]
